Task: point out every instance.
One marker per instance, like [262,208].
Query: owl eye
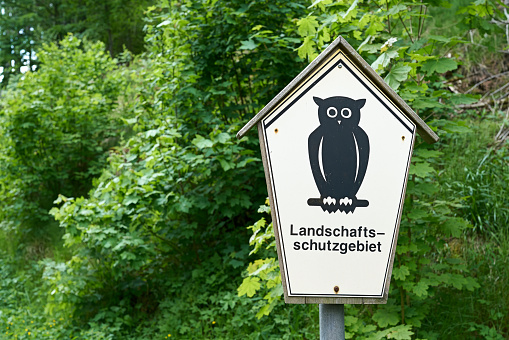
[346,112]
[332,112]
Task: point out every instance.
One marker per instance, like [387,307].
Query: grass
[473,168]
[477,170]
[482,313]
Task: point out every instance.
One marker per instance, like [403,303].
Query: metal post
[332,322]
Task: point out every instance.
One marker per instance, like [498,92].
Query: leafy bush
[57,125]
[176,192]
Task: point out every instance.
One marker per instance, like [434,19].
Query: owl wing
[314,140]
[362,141]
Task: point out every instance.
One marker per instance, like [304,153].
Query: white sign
[338,152]
[336,145]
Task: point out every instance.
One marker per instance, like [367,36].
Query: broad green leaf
[426,153]
[86,212]
[131,199]
[416,214]
[225,164]
[421,289]
[401,332]
[421,169]
[325,36]
[164,23]
[263,267]
[441,65]
[316,2]
[350,9]
[440,38]
[396,75]
[386,316]
[396,9]
[223,137]
[463,99]
[421,57]
[380,335]
[277,289]
[130,121]
[451,126]
[350,320]
[400,273]
[417,88]
[471,284]
[307,26]
[454,226]
[307,49]
[248,45]
[249,286]
[426,103]
[202,142]
[374,25]
[425,188]
[370,48]
[384,59]
[265,310]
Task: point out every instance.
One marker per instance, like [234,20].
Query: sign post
[332,322]
[336,146]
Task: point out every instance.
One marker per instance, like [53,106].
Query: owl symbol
[338,154]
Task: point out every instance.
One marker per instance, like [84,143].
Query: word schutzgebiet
[364,239]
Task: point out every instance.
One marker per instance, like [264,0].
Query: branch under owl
[343,204]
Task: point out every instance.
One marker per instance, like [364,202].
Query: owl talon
[329,201]
[331,204]
[345,201]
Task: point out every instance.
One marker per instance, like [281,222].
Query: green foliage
[263,274]
[483,312]
[26,25]
[479,174]
[484,190]
[57,126]
[22,304]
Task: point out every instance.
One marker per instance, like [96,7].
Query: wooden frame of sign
[422,129]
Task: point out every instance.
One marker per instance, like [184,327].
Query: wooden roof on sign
[339,43]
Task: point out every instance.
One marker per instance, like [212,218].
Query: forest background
[128,209]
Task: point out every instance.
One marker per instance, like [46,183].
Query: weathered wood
[422,129]
[335,301]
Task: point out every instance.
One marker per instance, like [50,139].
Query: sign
[337,144]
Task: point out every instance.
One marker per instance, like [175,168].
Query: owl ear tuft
[318,101]
[360,103]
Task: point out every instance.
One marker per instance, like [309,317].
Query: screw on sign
[336,146]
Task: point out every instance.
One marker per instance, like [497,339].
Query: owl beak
[339,122]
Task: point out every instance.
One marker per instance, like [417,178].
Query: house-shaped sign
[336,146]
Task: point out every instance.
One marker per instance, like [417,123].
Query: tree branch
[409,35]
[487,79]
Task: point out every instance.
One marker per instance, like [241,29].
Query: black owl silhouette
[338,154]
